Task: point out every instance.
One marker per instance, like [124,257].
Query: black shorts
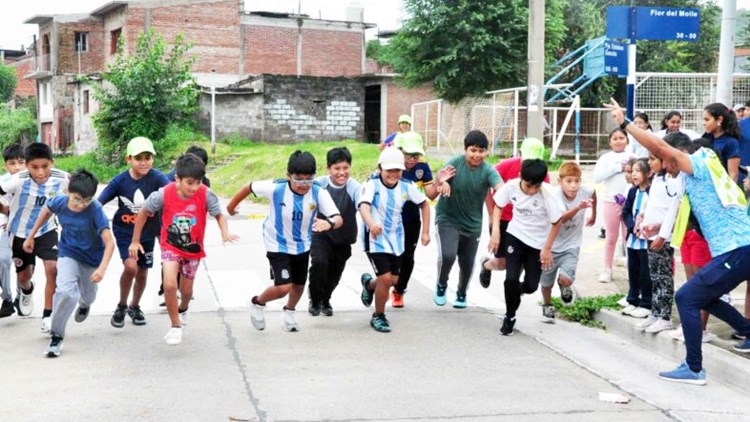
[287,268]
[45,247]
[144,260]
[500,253]
[384,263]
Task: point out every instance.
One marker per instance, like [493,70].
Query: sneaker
[380,323]
[726,298]
[173,336]
[136,314]
[659,326]
[485,275]
[398,300]
[439,296]
[367,294]
[640,313]
[606,276]
[620,261]
[82,313]
[290,324]
[55,347]
[737,336]
[118,318]
[25,305]
[460,302]
[623,302]
[256,316]
[183,315]
[628,309]
[548,314]
[649,321]
[326,309]
[507,328]
[602,233]
[568,295]
[7,309]
[46,325]
[683,373]
[314,308]
[678,335]
[743,347]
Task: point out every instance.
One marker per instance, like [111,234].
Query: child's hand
[494,243]
[425,238]
[585,203]
[375,230]
[444,190]
[98,275]
[746,184]
[445,174]
[546,258]
[134,248]
[650,230]
[657,244]
[232,210]
[229,237]
[320,225]
[591,220]
[28,245]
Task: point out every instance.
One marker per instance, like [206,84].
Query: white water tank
[355,12]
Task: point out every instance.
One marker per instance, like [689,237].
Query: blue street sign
[593,62]
[654,23]
[615,58]
[667,24]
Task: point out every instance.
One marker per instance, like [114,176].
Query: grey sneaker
[136,314]
[82,313]
[485,275]
[55,346]
[256,316]
[290,323]
[118,318]
[548,314]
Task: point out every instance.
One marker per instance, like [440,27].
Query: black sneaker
[548,314]
[326,309]
[82,313]
[485,275]
[602,233]
[55,346]
[380,323]
[7,309]
[118,318]
[367,294]
[737,336]
[567,294]
[507,328]
[314,308]
[136,314]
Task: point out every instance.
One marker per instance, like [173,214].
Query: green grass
[583,309]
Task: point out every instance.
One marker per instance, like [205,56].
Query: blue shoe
[380,323]
[439,297]
[743,347]
[684,374]
[460,301]
[367,294]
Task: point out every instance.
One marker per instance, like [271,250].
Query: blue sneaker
[367,294]
[743,347]
[684,374]
[439,297]
[460,301]
[380,324]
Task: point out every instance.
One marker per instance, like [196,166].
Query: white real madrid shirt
[533,215]
[288,227]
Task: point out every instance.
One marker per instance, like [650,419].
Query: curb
[720,364]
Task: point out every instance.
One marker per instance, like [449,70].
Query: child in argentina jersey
[639,279]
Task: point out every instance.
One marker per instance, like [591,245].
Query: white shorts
[565,261]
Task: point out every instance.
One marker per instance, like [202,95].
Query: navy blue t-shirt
[131,194]
[421,175]
[81,237]
[727,147]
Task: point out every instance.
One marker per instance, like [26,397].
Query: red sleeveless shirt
[183,222]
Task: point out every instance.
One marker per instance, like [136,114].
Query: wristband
[331,223]
[625,123]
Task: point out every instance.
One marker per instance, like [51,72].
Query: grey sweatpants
[5,260]
[74,287]
[451,243]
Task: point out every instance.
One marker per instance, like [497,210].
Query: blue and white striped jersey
[386,205]
[29,198]
[639,205]
[288,227]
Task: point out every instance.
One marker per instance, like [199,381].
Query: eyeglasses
[412,156]
[83,202]
[303,182]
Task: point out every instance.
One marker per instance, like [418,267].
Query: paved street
[437,364]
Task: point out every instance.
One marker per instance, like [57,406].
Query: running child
[13,163]
[86,247]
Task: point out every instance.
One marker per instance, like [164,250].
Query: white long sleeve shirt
[608,170]
[663,199]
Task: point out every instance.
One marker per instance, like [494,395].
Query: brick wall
[400,100]
[331,53]
[25,87]
[92,60]
[310,108]
[270,50]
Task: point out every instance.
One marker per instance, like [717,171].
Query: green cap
[532,148]
[138,145]
[404,118]
[409,142]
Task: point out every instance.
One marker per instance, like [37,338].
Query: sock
[46,313]
[255,301]
[29,291]
[289,309]
[182,311]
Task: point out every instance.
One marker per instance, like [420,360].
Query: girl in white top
[609,170]
[640,120]
[673,123]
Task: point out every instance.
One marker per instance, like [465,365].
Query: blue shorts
[144,260]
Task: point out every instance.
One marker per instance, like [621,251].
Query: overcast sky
[13,33]
[385,13]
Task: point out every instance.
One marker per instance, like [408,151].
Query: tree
[8,82]
[17,125]
[144,93]
[467,47]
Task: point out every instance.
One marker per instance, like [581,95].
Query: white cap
[738,106]
[391,158]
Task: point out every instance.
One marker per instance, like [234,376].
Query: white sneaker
[184,316]
[646,323]
[628,309]
[46,325]
[25,302]
[606,276]
[640,313]
[621,261]
[707,337]
[290,324]
[256,316]
[660,325]
[679,336]
[623,302]
[173,336]
[726,298]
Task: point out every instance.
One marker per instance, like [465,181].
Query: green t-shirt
[463,209]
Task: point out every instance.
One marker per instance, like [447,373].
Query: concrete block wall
[309,108]
[240,114]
